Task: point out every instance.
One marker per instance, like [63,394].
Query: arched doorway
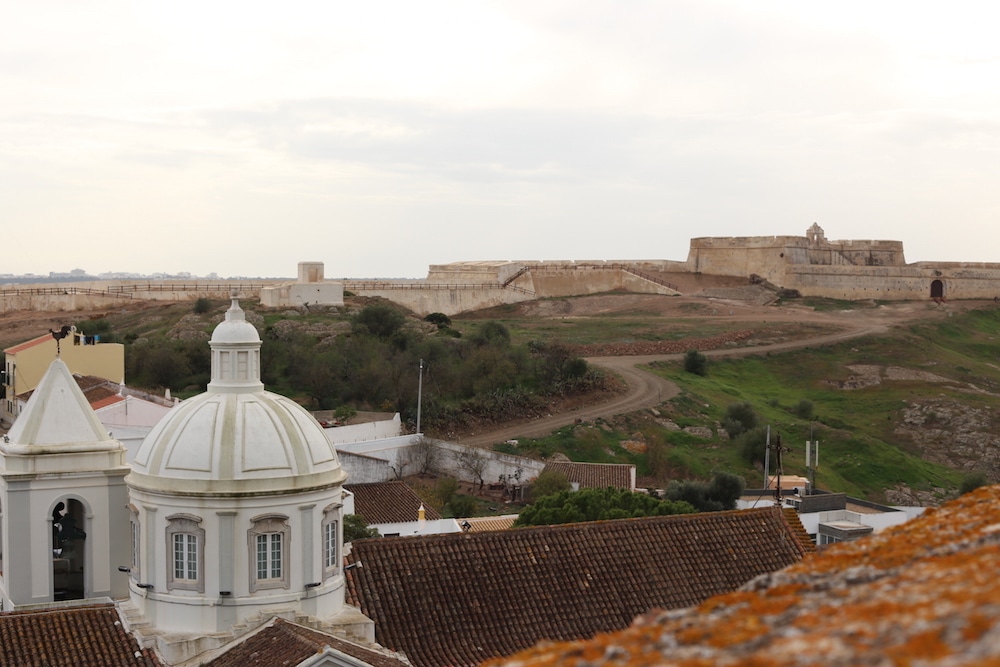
[68,550]
[937,289]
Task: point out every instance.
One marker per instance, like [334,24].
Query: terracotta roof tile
[283,643]
[105,401]
[482,524]
[924,592]
[27,344]
[91,636]
[458,599]
[596,475]
[388,502]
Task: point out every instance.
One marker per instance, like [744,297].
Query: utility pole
[420,391]
[778,449]
[812,460]
[767,458]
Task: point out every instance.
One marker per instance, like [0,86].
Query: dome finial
[235,313]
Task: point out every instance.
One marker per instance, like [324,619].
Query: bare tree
[423,456]
[473,461]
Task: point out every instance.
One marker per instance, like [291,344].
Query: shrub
[751,444]
[972,481]
[740,417]
[462,506]
[356,528]
[696,362]
[440,319]
[804,409]
[549,482]
[445,490]
[202,305]
[492,333]
[379,320]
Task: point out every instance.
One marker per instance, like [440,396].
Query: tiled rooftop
[459,599]
[596,475]
[14,349]
[388,502]
[925,592]
[90,636]
[283,643]
[482,524]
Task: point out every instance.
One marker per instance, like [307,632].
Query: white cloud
[382,137]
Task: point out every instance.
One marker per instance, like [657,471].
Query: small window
[269,565]
[185,553]
[268,540]
[330,532]
[185,557]
[134,536]
[330,545]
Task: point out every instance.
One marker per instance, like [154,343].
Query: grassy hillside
[912,409]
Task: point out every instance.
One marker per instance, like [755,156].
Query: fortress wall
[730,260]
[59,302]
[471,273]
[447,301]
[892,283]
[569,282]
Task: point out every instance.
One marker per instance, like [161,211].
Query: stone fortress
[809,265]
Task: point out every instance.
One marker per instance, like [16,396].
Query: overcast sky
[381,137]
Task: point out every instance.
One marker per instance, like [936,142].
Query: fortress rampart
[809,264]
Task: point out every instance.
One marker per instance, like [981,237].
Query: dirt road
[646,390]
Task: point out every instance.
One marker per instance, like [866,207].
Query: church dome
[236,439]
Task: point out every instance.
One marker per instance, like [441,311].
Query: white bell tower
[63,516]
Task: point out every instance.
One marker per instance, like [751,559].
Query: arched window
[268,541]
[330,531]
[185,553]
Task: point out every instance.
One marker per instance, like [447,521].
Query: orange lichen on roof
[924,592]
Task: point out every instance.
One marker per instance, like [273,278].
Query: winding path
[646,389]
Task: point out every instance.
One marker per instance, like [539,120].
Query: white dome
[236,439]
[235,330]
[236,444]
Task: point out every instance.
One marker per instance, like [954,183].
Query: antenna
[420,391]
[778,449]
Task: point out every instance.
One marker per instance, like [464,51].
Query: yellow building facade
[26,363]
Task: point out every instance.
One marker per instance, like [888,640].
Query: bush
[445,490]
[972,481]
[696,362]
[379,320]
[493,334]
[202,305]
[440,319]
[804,409]
[751,444]
[547,483]
[719,494]
[98,327]
[462,506]
[740,417]
[597,505]
[356,528]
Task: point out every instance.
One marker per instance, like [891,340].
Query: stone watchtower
[815,235]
